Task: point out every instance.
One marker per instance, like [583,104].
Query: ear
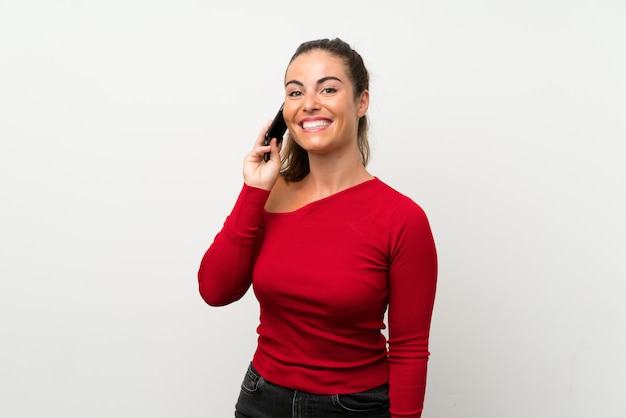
[363,103]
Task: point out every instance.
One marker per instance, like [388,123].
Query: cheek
[292,137]
[289,116]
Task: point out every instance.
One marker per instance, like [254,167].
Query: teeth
[315,124]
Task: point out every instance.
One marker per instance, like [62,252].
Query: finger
[259,151]
[269,150]
[276,147]
[261,137]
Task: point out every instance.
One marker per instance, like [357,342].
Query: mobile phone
[276,130]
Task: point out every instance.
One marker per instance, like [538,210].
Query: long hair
[295,159]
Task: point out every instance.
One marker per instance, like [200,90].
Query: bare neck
[331,174]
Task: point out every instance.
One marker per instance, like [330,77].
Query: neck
[331,174]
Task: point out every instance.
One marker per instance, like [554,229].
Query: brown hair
[295,160]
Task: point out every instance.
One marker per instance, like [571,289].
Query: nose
[310,103]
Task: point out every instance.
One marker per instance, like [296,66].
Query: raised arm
[224,275]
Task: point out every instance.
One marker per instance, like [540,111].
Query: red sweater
[324,276]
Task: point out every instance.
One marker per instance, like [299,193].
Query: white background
[123,125]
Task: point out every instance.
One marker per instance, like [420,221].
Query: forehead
[316,64]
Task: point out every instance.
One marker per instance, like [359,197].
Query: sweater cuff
[248,211]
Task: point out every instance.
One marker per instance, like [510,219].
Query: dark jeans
[262,399]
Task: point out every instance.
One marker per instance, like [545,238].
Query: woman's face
[320,110]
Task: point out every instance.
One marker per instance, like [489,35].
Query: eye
[294,93]
[329,90]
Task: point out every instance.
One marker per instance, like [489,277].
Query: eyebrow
[320,81]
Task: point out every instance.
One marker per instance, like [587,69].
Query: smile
[315,124]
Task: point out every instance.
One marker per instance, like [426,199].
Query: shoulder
[283,196]
[394,198]
[400,214]
[408,225]
[276,194]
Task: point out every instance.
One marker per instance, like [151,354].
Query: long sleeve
[412,283]
[224,275]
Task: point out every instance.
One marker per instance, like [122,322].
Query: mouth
[315,124]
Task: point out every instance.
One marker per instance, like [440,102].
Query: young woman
[328,248]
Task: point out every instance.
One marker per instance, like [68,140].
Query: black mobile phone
[276,130]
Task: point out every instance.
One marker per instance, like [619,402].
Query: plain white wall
[122,129]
